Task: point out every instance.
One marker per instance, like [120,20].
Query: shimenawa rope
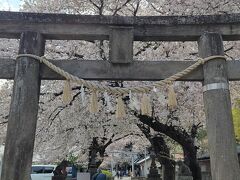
[119,92]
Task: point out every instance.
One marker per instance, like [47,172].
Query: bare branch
[156,9]
[119,8]
[126,135]
[4,117]
[56,94]
[101,7]
[101,51]
[4,122]
[56,112]
[94,4]
[142,49]
[226,50]
[136,8]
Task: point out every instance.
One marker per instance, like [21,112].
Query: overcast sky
[12,5]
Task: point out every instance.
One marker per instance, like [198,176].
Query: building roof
[142,160]
[206,156]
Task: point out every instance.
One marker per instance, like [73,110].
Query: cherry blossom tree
[64,129]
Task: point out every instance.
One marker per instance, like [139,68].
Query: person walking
[60,173]
[99,176]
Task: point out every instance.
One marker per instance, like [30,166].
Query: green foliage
[72,159]
[201,134]
[236,120]
[80,167]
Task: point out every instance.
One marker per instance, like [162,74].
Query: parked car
[45,172]
[42,172]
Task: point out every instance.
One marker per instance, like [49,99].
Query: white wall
[148,164]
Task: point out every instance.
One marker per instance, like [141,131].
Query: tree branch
[136,8]
[58,110]
[178,135]
[4,122]
[119,8]
[94,4]
[101,51]
[156,9]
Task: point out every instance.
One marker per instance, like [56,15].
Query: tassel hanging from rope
[67,95]
[83,96]
[108,103]
[120,109]
[93,106]
[146,105]
[172,98]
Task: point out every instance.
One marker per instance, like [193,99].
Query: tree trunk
[190,159]
[169,169]
[93,162]
[101,152]
[92,165]
[180,136]
[163,155]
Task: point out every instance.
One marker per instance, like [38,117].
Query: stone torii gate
[33,29]
[131,153]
